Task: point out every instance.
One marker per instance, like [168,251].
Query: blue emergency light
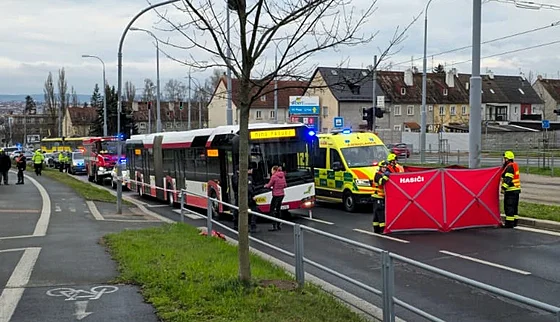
[311,133]
[346,131]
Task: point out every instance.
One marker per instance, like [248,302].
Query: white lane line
[12,250]
[15,287]
[18,237]
[94,211]
[539,231]
[43,222]
[480,261]
[381,236]
[190,214]
[317,220]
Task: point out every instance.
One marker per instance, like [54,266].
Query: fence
[387,293]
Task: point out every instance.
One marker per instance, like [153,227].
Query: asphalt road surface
[522,260]
[52,267]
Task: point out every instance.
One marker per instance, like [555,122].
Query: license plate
[284,207]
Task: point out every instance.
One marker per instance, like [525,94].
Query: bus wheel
[170,199]
[349,201]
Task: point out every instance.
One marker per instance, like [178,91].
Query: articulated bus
[203,161]
[50,145]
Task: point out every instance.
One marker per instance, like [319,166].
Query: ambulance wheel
[349,201]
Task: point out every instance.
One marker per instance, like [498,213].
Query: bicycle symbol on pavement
[72,295]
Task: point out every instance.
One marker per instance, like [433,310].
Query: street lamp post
[158,106]
[229,111]
[189,124]
[475,94]
[423,115]
[104,94]
[119,98]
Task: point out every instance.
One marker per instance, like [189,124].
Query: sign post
[338,122]
[306,110]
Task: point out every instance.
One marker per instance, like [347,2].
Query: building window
[445,92]
[325,111]
[258,115]
[403,90]
[515,109]
[441,110]
[169,125]
[271,115]
[453,110]
[430,108]
[397,128]
[142,125]
[397,110]
[521,91]
[410,110]
[467,86]
[464,110]
[263,98]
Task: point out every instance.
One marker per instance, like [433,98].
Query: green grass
[84,189]
[188,277]
[521,155]
[537,211]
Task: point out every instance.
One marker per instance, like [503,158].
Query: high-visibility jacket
[510,177]
[395,168]
[38,158]
[379,185]
[62,158]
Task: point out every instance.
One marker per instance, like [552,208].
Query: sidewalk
[66,274]
[539,179]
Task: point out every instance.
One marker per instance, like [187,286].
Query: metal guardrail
[387,293]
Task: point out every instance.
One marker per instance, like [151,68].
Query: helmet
[391,157]
[509,155]
[382,163]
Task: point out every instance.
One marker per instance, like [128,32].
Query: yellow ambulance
[344,167]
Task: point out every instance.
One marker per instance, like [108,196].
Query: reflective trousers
[378,215]
[511,205]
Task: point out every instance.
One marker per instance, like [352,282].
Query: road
[52,267]
[519,260]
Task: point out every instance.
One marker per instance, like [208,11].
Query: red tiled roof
[552,86]
[285,90]
[82,115]
[167,115]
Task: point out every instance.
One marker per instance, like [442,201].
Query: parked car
[77,163]
[125,178]
[400,149]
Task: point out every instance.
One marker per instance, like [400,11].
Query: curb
[537,223]
[354,303]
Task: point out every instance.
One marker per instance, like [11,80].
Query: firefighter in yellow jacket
[380,179]
[393,165]
[511,188]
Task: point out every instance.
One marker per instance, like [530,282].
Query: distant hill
[37,97]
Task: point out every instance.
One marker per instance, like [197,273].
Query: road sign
[304,105]
[338,122]
[311,121]
[381,101]
[546,124]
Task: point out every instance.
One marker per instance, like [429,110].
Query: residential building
[345,92]
[173,118]
[549,92]
[507,98]
[18,125]
[262,110]
[77,121]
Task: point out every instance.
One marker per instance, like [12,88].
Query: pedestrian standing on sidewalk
[38,159]
[5,165]
[511,188]
[277,183]
[21,163]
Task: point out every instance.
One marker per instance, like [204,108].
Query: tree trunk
[243,250]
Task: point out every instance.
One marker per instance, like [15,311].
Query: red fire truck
[101,157]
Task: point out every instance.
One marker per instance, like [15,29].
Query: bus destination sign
[272,134]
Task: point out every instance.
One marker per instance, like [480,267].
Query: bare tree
[148,93]
[295,29]
[62,90]
[50,101]
[174,90]
[75,100]
[130,91]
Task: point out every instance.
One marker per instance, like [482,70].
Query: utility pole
[189,108]
[475,99]
[200,112]
[276,87]
[374,99]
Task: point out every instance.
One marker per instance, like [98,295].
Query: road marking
[480,261]
[72,209]
[13,292]
[18,237]
[12,250]
[43,222]
[381,236]
[81,307]
[317,220]
[94,211]
[57,208]
[190,214]
[539,231]
[71,294]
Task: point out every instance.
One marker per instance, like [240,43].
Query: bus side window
[320,158]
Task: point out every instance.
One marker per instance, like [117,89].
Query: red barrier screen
[442,199]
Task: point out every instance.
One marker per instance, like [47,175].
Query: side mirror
[337,166]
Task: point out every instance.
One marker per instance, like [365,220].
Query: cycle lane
[66,275]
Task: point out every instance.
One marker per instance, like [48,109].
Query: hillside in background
[37,97]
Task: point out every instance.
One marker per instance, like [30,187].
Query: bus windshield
[108,147]
[364,156]
[291,155]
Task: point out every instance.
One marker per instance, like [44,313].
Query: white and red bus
[100,157]
[203,161]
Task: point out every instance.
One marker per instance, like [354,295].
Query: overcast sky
[38,36]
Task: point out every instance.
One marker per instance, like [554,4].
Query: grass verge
[537,211]
[188,277]
[84,189]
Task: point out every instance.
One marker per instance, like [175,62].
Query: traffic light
[149,106]
[181,106]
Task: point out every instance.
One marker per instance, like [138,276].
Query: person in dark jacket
[250,200]
[21,163]
[5,165]
[277,183]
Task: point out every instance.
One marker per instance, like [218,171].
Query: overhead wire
[512,51]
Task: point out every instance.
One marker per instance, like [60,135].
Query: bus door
[226,176]
[158,166]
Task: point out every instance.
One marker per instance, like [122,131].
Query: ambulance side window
[320,158]
[335,157]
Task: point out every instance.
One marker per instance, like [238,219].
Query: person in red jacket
[277,183]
